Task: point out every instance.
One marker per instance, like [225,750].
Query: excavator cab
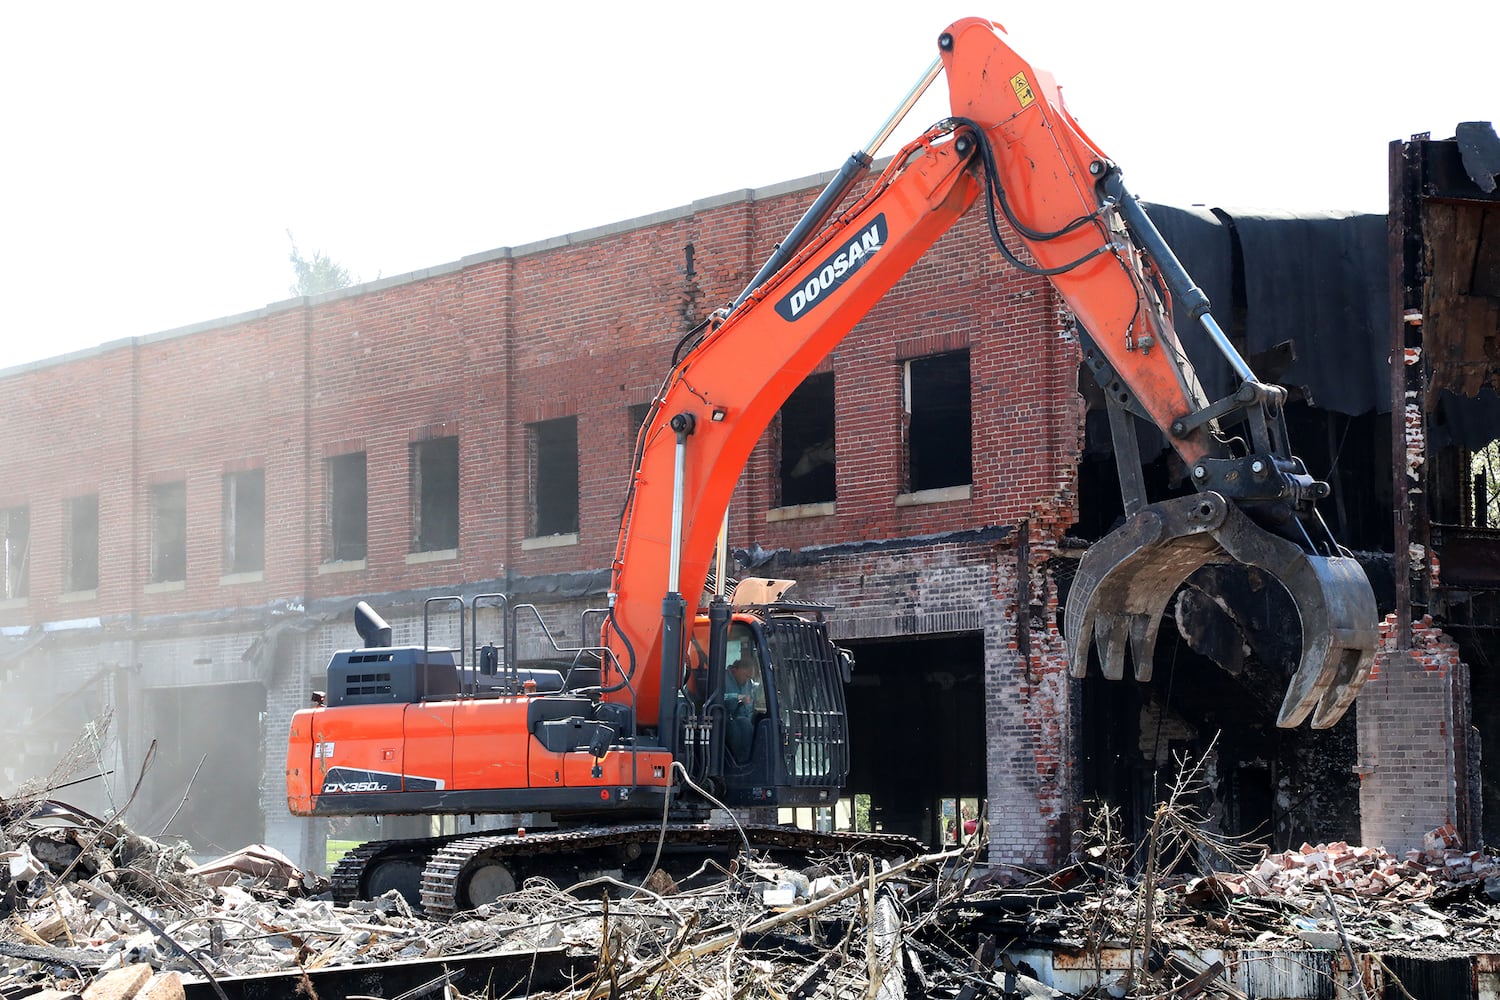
[772,713]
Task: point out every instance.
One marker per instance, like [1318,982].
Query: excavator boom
[1012,145]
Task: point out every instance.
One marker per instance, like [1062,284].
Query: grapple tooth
[1126,579]
[1109,636]
[1114,633]
[1339,634]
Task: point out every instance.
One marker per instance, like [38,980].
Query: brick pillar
[1028,696]
[289,688]
[1412,729]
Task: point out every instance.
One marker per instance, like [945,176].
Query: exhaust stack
[373,630]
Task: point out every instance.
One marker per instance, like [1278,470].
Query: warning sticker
[1023,90]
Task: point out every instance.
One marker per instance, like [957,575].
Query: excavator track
[471,871]
[450,874]
[350,878]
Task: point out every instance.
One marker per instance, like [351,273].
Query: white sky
[153,156]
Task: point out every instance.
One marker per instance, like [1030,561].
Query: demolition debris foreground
[92,909]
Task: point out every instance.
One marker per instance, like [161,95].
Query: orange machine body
[452,756]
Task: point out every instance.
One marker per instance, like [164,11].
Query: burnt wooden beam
[518,973]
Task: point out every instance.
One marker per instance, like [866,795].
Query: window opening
[939,446]
[434,490]
[860,812]
[168,532]
[81,544]
[959,818]
[1484,485]
[344,478]
[244,521]
[637,415]
[554,476]
[16,524]
[807,449]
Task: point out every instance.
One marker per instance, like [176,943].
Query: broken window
[245,521]
[81,543]
[15,522]
[168,532]
[807,460]
[938,422]
[553,450]
[434,494]
[345,483]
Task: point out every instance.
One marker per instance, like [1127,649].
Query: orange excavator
[627,744]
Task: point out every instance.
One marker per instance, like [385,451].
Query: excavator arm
[1011,145]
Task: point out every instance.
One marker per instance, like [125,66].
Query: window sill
[341,566]
[77,596]
[12,603]
[435,555]
[249,576]
[947,494]
[549,541]
[797,511]
[166,587]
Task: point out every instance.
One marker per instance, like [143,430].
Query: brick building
[192,515]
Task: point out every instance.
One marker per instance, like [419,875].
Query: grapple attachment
[1126,579]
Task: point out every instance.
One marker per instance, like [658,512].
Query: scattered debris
[91,910]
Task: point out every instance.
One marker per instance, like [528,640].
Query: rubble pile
[1432,902]
[87,908]
[1367,872]
[90,909]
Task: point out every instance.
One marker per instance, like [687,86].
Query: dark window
[344,480]
[638,414]
[939,426]
[807,465]
[554,476]
[15,522]
[81,543]
[245,521]
[168,532]
[434,493]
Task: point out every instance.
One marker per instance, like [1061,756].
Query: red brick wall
[584,325]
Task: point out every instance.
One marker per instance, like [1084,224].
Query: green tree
[1484,467]
[320,274]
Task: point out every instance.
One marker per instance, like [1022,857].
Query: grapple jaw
[1126,579]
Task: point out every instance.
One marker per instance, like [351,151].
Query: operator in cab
[742,699]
